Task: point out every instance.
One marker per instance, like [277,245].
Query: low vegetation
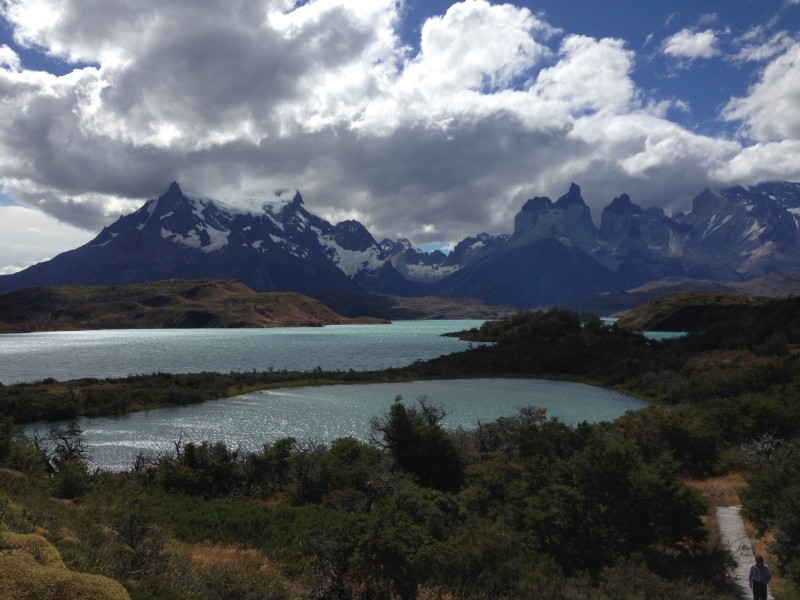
[690,311]
[522,507]
[406,308]
[160,304]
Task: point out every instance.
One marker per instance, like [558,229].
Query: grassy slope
[409,308]
[156,305]
[773,285]
[688,311]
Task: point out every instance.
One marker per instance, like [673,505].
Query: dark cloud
[58,160]
[241,98]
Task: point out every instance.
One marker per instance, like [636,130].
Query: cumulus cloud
[769,111]
[763,162]
[690,44]
[238,98]
[9,59]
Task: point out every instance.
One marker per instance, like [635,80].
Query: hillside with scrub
[521,507]
[171,304]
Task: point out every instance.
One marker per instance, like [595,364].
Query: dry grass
[720,491]
[32,568]
[12,473]
[206,556]
[223,562]
[33,545]
[161,304]
[727,358]
[23,578]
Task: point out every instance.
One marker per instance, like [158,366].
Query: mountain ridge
[168,304]
[555,255]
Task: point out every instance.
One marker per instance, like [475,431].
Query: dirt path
[731,529]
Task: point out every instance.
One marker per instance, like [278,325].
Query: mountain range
[555,255]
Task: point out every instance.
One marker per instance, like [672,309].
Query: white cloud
[759,43]
[9,59]
[769,112]
[708,19]
[689,44]
[28,236]
[764,50]
[592,75]
[477,46]
[241,97]
[468,59]
[763,162]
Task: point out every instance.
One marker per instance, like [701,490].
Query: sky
[423,119]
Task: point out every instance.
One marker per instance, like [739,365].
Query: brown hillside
[160,305]
[686,311]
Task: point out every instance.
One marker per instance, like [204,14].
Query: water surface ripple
[67,355]
[324,413]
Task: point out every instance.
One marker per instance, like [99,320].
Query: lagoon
[324,413]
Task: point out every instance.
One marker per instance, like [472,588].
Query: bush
[32,568]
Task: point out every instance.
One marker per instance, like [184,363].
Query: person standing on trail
[759,578]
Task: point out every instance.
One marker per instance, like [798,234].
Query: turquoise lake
[319,413]
[67,355]
[324,413]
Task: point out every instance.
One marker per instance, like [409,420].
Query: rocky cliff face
[731,235]
[568,221]
[555,255]
[753,231]
[276,245]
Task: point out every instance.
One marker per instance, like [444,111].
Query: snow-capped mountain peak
[554,255]
[275,227]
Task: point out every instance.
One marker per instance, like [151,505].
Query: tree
[68,458]
[609,502]
[405,541]
[418,444]
[19,452]
[269,470]
[68,445]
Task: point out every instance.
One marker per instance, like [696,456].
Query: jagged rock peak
[624,206]
[537,203]
[573,196]
[174,188]
[166,202]
[708,201]
[287,194]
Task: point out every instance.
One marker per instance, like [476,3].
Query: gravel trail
[731,529]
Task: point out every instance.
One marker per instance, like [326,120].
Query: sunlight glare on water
[67,355]
[324,413]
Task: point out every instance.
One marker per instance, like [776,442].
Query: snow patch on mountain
[352,262]
[428,272]
[147,211]
[272,206]
[218,239]
[716,223]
